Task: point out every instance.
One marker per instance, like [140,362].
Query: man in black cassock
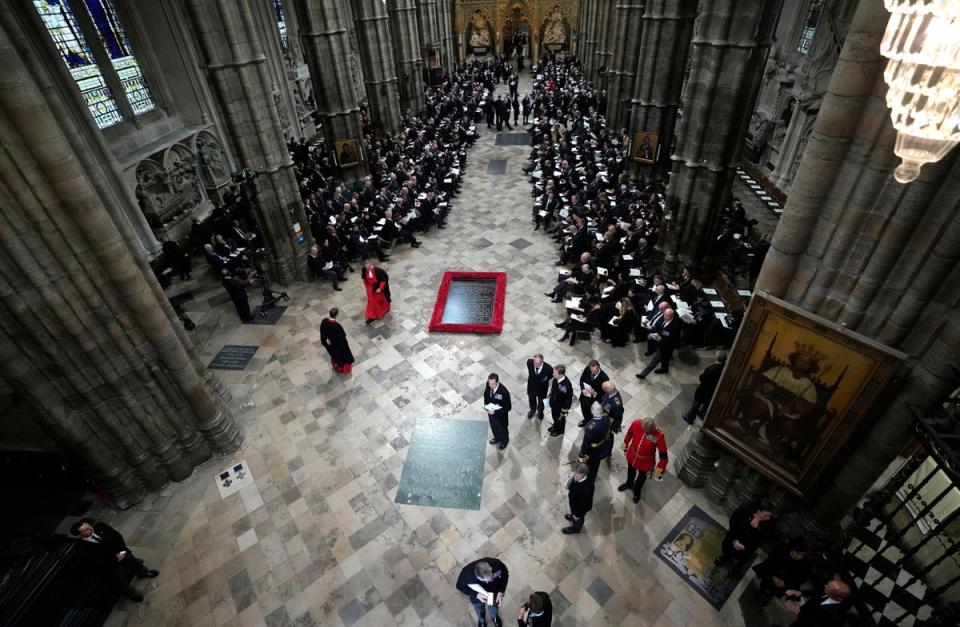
[334,339]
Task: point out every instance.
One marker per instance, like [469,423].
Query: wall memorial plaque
[233,357]
[444,466]
[470,302]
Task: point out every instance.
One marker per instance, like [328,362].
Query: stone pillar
[379,69]
[406,52]
[427,24]
[87,336]
[623,66]
[242,84]
[448,57]
[326,46]
[589,36]
[879,257]
[601,52]
[666,30]
[729,49]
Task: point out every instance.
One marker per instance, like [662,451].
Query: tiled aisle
[318,539]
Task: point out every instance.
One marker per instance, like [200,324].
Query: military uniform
[640,448]
[561,399]
[613,409]
[597,444]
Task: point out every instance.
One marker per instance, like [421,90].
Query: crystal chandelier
[922,43]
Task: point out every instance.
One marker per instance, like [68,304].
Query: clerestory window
[97,52]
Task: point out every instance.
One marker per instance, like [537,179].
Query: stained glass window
[810,26]
[281,23]
[70,42]
[114,39]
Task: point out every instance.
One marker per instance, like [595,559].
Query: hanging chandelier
[922,43]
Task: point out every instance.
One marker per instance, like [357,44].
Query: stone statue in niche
[554,30]
[480,34]
[281,111]
[213,167]
[181,166]
[153,191]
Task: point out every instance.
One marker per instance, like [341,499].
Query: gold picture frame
[795,389]
[644,149]
[347,152]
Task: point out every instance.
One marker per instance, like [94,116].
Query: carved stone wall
[556,21]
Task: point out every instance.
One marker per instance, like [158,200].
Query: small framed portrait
[795,389]
[348,152]
[645,147]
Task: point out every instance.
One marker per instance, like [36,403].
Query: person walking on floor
[496,402]
[643,441]
[580,497]
[484,581]
[334,339]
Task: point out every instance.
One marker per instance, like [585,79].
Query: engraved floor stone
[497,167]
[233,357]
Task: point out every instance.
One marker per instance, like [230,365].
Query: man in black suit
[829,610]
[660,344]
[496,394]
[103,548]
[490,576]
[591,388]
[561,398]
[580,488]
[236,286]
[539,375]
[709,379]
[751,525]
[537,611]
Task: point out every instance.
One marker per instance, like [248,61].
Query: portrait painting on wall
[479,34]
[645,147]
[348,153]
[795,388]
[555,31]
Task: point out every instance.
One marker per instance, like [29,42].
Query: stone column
[406,52]
[881,258]
[87,336]
[326,46]
[427,24]
[623,66]
[589,35]
[379,69]
[666,30]
[242,84]
[729,48]
[448,57]
[601,52]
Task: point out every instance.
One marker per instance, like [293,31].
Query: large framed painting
[645,147]
[795,389]
[348,153]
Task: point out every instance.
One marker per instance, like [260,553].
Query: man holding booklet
[484,582]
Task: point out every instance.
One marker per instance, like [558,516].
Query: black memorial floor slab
[470,301]
[233,357]
[271,316]
[690,549]
[444,466]
[497,167]
[520,138]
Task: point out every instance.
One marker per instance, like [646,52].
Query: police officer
[561,399]
[612,404]
[644,439]
[597,441]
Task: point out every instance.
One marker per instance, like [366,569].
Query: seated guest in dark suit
[103,549]
[828,610]
[537,611]
[318,267]
[217,262]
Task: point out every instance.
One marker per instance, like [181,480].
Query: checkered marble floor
[318,540]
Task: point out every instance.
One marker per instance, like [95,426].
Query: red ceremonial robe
[378,293]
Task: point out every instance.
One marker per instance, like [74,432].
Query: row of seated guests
[413,178]
[607,227]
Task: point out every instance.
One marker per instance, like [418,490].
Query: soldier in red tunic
[644,439]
